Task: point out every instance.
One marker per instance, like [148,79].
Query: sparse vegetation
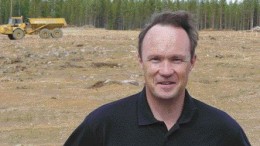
[47,87]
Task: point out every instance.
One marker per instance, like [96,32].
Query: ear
[140,60]
[193,60]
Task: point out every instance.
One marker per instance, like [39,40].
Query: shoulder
[213,114]
[113,110]
[91,130]
[218,122]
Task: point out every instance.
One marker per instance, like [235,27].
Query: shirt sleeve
[83,135]
[243,139]
[237,139]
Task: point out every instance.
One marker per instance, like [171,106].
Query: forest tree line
[133,14]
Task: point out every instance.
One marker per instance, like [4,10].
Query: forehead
[166,39]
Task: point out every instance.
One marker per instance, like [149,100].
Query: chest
[158,135]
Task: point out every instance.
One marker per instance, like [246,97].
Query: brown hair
[181,19]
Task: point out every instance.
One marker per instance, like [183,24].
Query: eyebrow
[173,56]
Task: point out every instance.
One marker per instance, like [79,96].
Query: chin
[166,95]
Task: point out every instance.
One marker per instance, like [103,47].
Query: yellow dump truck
[45,27]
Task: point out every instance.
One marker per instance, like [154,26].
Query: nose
[166,69]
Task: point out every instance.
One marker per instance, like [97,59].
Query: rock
[132,82]
[256,28]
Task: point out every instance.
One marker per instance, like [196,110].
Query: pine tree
[222,10]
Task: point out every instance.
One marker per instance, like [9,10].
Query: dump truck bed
[49,23]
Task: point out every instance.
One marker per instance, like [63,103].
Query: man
[163,114]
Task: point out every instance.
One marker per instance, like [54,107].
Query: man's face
[166,61]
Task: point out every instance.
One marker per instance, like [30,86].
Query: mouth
[166,83]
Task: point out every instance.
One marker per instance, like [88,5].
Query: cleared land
[47,87]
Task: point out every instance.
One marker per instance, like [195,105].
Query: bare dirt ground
[47,87]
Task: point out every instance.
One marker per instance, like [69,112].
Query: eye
[177,60]
[154,59]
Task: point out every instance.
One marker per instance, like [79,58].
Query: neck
[166,110]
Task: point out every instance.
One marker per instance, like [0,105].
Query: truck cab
[14,29]
[15,20]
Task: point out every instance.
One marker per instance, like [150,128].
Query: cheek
[150,69]
[182,73]
[150,72]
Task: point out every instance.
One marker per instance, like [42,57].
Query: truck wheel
[10,36]
[18,34]
[45,33]
[56,33]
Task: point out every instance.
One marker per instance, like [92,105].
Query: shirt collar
[189,109]
[145,115]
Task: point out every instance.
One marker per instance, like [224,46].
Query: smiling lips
[166,82]
[166,85]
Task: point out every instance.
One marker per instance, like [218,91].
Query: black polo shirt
[130,122]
